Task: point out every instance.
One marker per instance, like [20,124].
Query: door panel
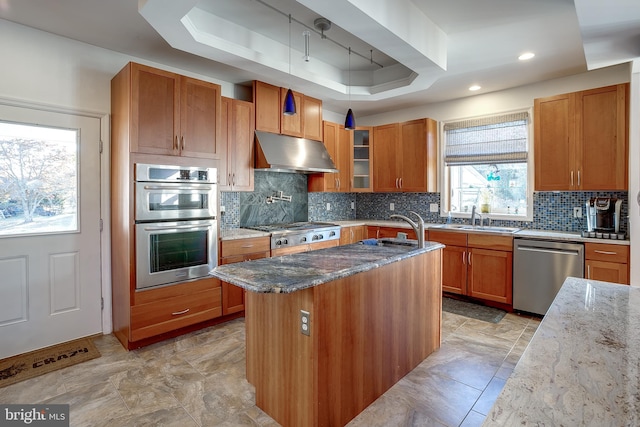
[51,285]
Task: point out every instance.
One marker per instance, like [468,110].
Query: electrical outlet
[222,209]
[305,323]
[391,206]
[328,206]
[433,207]
[353,205]
[577,212]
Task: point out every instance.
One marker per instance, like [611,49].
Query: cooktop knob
[278,242]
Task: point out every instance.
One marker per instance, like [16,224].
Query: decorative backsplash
[552,210]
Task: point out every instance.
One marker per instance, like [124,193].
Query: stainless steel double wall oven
[175,223]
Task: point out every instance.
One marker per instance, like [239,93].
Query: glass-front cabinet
[362,167]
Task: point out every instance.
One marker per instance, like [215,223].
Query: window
[38,179]
[486,165]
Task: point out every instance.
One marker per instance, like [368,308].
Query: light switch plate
[391,206]
[433,207]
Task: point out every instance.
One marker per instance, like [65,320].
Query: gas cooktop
[298,233]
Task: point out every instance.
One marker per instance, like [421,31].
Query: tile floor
[198,380]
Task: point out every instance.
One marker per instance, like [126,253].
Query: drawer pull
[605,252]
[178,313]
[247,246]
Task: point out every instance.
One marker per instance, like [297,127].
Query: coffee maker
[603,214]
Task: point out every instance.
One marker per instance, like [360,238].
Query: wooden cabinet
[237,134]
[292,125]
[268,108]
[304,248]
[312,118]
[607,262]
[157,117]
[268,100]
[172,114]
[337,140]
[581,140]
[362,159]
[490,269]
[405,156]
[477,265]
[239,250]
[165,309]
[352,234]
[375,232]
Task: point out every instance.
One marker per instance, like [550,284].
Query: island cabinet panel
[366,332]
[280,358]
[374,232]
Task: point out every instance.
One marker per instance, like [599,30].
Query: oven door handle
[179,187]
[177,227]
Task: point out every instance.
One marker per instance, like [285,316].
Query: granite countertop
[582,366]
[294,272]
[564,236]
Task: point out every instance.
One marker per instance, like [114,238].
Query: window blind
[495,139]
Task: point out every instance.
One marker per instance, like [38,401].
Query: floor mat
[28,365]
[474,311]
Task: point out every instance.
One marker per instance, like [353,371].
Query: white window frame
[445,175]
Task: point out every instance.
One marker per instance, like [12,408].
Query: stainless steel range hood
[282,153]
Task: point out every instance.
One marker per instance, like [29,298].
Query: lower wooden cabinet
[165,309]
[352,234]
[477,265]
[238,250]
[607,262]
[375,232]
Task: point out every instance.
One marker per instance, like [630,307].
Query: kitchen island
[374,313]
[582,367]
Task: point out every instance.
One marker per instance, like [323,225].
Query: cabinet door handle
[605,252]
[572,178]
[229,179]
[178,313]
[233,178]
[469,257]
[464,258]
[175,143]
[588,271]
[182,143]
[578,178]
[400,182]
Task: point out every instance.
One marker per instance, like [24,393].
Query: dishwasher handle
[548,250]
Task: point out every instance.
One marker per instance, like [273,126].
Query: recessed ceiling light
[474,87]
[526,55]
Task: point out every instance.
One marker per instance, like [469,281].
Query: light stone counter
[241,233]
[565,236]
[582,367]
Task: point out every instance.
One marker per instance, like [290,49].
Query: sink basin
[477,228]
[397,242]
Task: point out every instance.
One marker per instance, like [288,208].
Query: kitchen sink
[477,228]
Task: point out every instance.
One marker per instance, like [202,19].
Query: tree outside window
[38,179]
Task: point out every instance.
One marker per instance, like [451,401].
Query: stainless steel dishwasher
[540,267]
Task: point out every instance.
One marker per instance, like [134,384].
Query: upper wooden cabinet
[405,156]
[312,118]
[237,134]
[172,114]
[268,100]
[292,125]
[581,140]
[338,142]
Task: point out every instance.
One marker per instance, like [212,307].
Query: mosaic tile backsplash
[552,210]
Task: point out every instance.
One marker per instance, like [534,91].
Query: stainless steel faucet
[418,226]
[473,216]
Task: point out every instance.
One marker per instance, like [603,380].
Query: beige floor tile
[198,379]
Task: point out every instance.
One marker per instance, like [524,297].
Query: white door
[50,290]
